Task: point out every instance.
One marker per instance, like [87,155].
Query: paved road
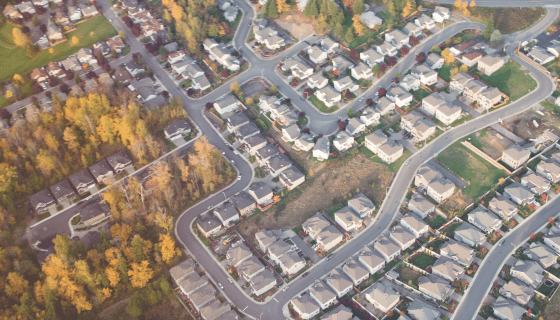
[506,3]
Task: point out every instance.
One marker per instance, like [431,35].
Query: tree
[473,4]
[273,89]
[358,25]
[122,34]
[533,236]
[359,7]
[342,125]
[43,28]
[496,37]
[20,39]
[249,101]
[338,30]
[62,246]
[349,37]
[454,72]
[414,41]
[551,220]
[420,58]
[489,29]
[235,87]
[225,73]
[350,113]
[369,102]
[447,56]
[272,9]
[376,69]
[463,68]
[354,54]
[381,92]
[391,61]
[404,50]
[64,88]
[311,9]
[308,92]
[282,6]
[408,9]
[167,247]
[75,40]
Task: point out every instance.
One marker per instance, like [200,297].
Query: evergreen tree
[339,17]
[339,30]
[359,7]
[311,10]
[324,8]
[272,10]
[489,29]
[350,35]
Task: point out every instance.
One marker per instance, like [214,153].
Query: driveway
[448,174]
[307,250]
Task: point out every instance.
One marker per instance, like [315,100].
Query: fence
[484,156]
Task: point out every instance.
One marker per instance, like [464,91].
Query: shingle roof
[237,254]
[182,269]
[448,267]
[305,304]
[242,200]
[61,190]
[508,308]
[261,190]
[338,280]
[383,294]
[321,292]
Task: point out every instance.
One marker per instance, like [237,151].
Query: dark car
[305,274]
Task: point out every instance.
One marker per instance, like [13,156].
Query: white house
[229,104]
[441,14]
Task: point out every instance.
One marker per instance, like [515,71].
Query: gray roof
[508,308]
[383,294]
[420,310]
[371,258]
[338,280]
[535,181]
[250,267]
[93,210]
[355,270]
[182,269]
[432,59]
[261,190]
[226,211]
[43,196]
[263,279]
[279,247]
[242,200]
[323,144]
[448,267]
[100,168]
[119,158]
[420,202]
[202,296]
[82,177]
[267,151]
[248,129]
[322,292]
[484,218]
[292,131]
[208,222]
[237,254]
[449,109]
[61,190]
[238,119]
[316,223]
[353,125]
[542,254]
[361,202]
[428,173]
[503,204]
[377,137]
[291,174]
[278,162]
[468,231]
[518,191]
[255,140]
[176,126]
[347,215]
[517,152]
[402,235]
[193,281]
[267,237]
[454,249]
[384,104]
[441,185]
[214,309]
[386,245]
[289,259]
[339,313]
[305,304]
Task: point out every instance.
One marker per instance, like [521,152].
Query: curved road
[320,123]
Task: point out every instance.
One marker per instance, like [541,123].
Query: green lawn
[15,60]
[366,151]
[450,230]
[445,72]
[511,80]
[6,35]
[436,221]
[395,166]
[321,105]
[420,94]
[436,244]
[472,168]
[333,210]
[409,276]
[422,261]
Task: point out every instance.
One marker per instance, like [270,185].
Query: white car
[285,288]
[239,178]
[220,285]
[230,280]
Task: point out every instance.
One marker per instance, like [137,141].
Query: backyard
[450,230]
[395,166]
[510,79]
[435,221]
[422,261]
[552,310]
[490,142]
[409,277]
[16,61]
[320,105]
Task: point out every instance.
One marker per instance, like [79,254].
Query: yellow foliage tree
[16,286]
[454,72]
[113,275]
[75,40]
[249,101]
[140,274]
[9,94]
[235,87]
[463,68]
[51,50]
[447,56]
[20,39]
[358,25]
[282,6]
[167,247]
[408,9]
[473,4]
[18,79]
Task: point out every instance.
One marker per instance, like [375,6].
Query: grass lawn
[445,72]
[547,290]
[552,310]
[420,94]
[409,276]
[366,151]
[436,244]
[450,230]
[435,221]
[472,168]
[321,105]
[331,211]
[511,80]
[89,32]
[6,35]
[422,261]
[395,166]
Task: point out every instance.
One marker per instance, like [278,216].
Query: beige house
[305,306]
[339,283]
[382,297]
[484,220]
[236,255]
[250,268]
[458,82]
[355,271]
[329,238]
[402,236]
[550,169]
[214,309]
[182,270]
[278,249]
[507,310]
[418,126]
[440,189]
[542,254]
[192,282]
[448,113]
[489,64]
[435,287]
[447,269]
[291,178]
[388,248]
[208,225]
[314,225]
[425,175]
[374,140]
[291,263]
[263,282]
[339,313]
[266,238]
[414,225]
[503,207]
[372,260]
[517,291]
[322,294]
[361,205]
[515,156]
[469,234]
[389,152]
[432,102]
[535,183]
[347,219]
[457,252]
[489,97]
[529,272]
[421,206]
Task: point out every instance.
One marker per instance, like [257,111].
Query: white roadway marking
[245,308]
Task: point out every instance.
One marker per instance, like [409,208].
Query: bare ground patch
[296,24]
[523,125]
[492,143]
[455,203]
[341,177]
[300,157]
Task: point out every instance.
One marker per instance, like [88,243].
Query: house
[262,193]
[328,96]
[322,294]
[361,71]
[397,37]
[420,127]
[317,55]
[347,219]
[470,235]
[265,238]
[278,249]
[420,310]
[221,54]
[434,61]
[503,207]
[202,296]
[343,141]
[317,81]
[389,152]
[82,181]
[139,15]
[329,238]
[250,268]
[63,192]
[180,67]
[116,43]
[290,133]
[370,116]
[415,225]
[382,296]
[177,129]
[74,13]
[463,46]
[11,11]
[490,64]
[291,263]
[264,153]
[183,269]
[550,169]
[277,164]
[236,121]
[412,30]
[507,310]
[484,220]
[339,282]
[535,183]
[174,57]
[255,143]
[388,248]
[305,306]
[53,33]
[299,70]
[287,118]
[90,84]
[515,156]
[120,162]
[230,13]
[93,213]
[426,75]
[410,82]
[435,287]
[425,175]
[554,49]
[304,143]
[447,269]
[89,11]
[471,58]
[542,254]
[448,113]
[355,127]
[361,205]
[134,68]
[262,282]
[545,139]
[105,80]
[402,237]
[291,178]
[214,309]
[372,260]
[42,201]
[440,189]
[101,171]
[201,83]
[267,103]
[39,75]
[208,225]
[385,106]
[61,18]
[153,29]
[420,205]
[519,194]
[321,149]
[400,97]
[103,48]
[315,224]
[473,89]
[122,76]
[192,282]
[387,49]
[345,83]
[340,64]
[371,57]
[529,272]
[489,97]
[441,14]
[432,102]
[330,46]
[517,291]
[540,56]
[276,112]
[228,104]
[457,252]
[425,22]
[459,81]
[261,35]
[370,19]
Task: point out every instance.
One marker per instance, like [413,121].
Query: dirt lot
[491,142]
[523,126]
[455,203]
[341,177]
[296,24]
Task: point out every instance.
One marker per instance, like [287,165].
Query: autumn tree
[358,25]
[408,9]
[167,247]
[447,56]
[463,68]
[20,39]
[272,9]
[140,274]
[282,6]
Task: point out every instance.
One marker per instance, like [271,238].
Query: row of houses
[474,90]
[187,67]
[435,105]
[268,35]
[201,292]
